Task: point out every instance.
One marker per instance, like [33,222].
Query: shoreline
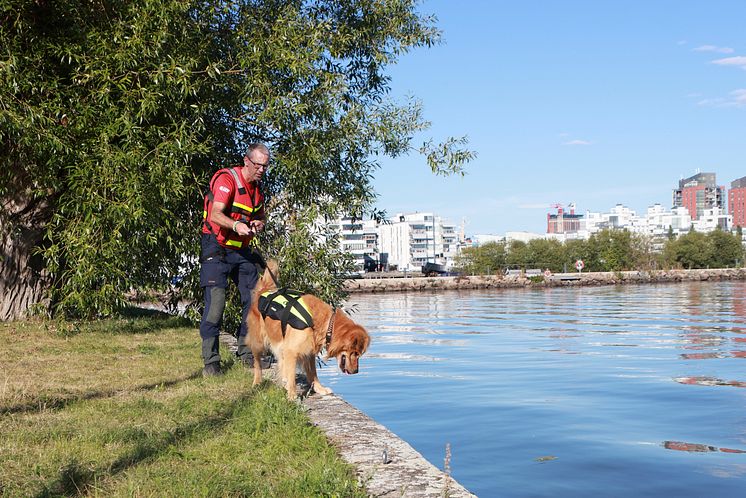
[406,284]
[386,465]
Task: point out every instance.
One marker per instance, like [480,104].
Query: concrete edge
[386,465]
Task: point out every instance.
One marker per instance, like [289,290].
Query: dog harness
[287,306]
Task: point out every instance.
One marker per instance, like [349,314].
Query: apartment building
[711,219]
[698,193]
[404,241]
[408,241]
[737,202]
[360,239]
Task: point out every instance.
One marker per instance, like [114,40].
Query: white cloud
[713,48]
[739,61]
[711,102]
[736,98]
[577,142]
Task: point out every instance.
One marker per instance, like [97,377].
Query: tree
[484,259]
[725,249]
[575,249]
[689,251]
[546,253]
[114,114]
[611,250]
[517,254]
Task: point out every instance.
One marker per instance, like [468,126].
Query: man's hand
[257,225]
[243,229]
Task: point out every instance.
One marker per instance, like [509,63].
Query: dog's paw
[323,391]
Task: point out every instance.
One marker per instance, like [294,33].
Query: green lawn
[119,408]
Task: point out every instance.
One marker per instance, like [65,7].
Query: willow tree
[114,115]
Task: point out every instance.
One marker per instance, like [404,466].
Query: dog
[332,329]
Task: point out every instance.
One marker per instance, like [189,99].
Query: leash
[331,328]
[263,264]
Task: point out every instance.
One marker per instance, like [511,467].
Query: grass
[119,408]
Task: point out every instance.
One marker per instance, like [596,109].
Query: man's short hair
[256,146]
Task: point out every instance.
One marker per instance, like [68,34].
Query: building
[712,219]
[737,202]
[658,222]
[408,241]
[485,238]
[563,222]
[619,217]
[359,238]
[698,193]
[522,237]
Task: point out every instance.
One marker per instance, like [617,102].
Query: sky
[595,103]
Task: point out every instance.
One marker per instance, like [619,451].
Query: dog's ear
[349,337]
[366,340]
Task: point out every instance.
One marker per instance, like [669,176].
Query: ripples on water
[589,391]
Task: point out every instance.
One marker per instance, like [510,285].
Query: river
[634,390]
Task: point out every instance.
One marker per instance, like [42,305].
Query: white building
[656,222]
[711,219]
[522,236]
[618,217]
[408,241]
[484,238]
[358,238]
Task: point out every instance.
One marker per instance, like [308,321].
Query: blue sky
[591,102]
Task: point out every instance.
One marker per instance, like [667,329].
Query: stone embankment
[547,280]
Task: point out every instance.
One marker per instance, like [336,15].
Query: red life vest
[246,203]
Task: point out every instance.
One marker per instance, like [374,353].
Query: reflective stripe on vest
[240,211]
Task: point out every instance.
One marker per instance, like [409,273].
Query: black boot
[212,370]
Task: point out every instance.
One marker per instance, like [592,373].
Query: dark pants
[218,264]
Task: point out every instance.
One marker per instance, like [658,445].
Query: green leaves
[716,249]
[448,157]
[118,113]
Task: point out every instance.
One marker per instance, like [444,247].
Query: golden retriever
[343,338]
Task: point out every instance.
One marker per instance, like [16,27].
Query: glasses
[263,165]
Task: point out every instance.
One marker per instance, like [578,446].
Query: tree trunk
[24,278]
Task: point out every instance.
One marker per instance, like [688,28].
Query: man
[233,215]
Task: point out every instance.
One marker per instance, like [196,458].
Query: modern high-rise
[737,202]
[698,193]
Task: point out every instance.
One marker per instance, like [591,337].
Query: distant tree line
[608,250]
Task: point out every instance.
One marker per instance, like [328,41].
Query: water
[564,392]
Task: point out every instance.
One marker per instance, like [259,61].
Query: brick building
[698,193]
[737,202]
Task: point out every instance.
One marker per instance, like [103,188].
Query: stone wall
[552,280]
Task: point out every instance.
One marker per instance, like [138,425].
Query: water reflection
[697,448]
[582,374]
[709,381]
